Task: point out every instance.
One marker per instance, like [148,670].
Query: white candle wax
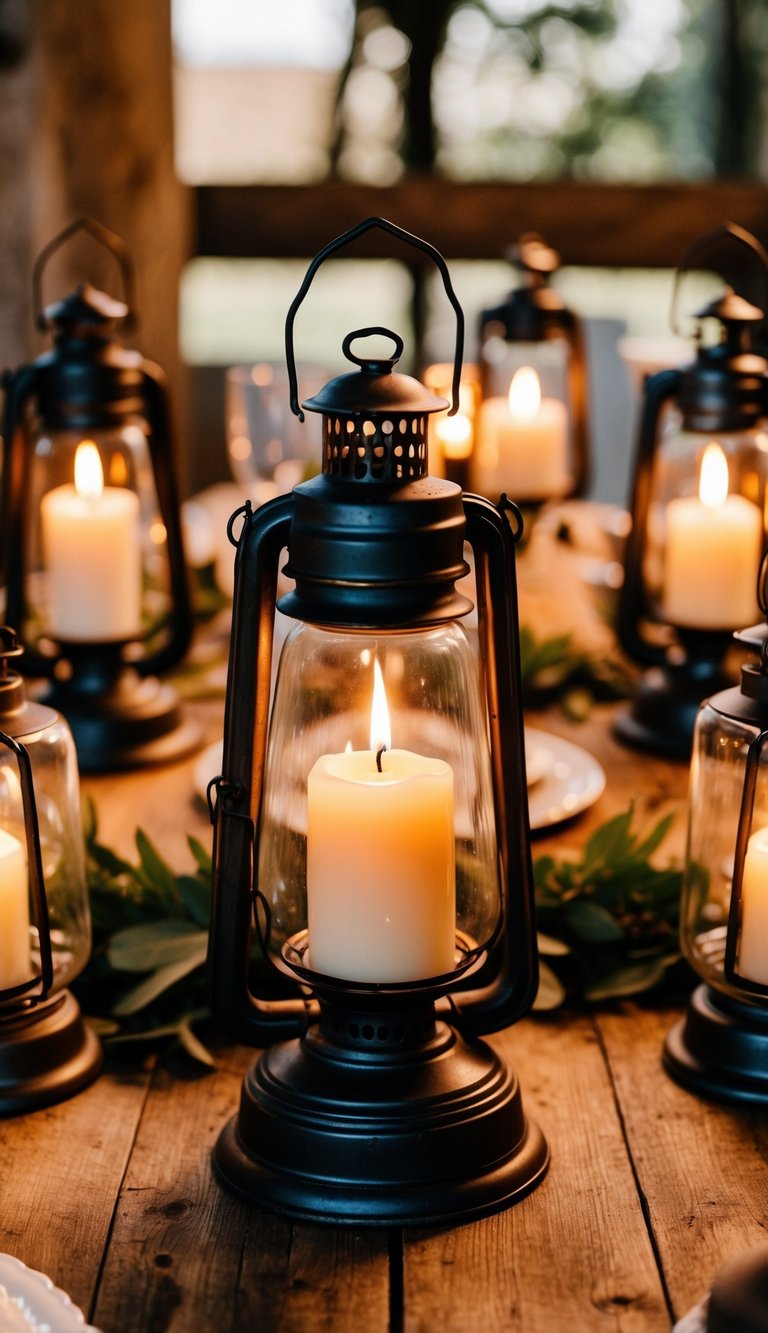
[92,548]
[753,934]
[15,965]
[523,443]
[381,881]
[712,553]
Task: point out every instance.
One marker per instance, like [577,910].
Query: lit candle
[15,965]
[523,442]
[753,935]
[92,547]
[452,439]
[381,879]
[712,553]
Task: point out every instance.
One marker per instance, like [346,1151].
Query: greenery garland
[608,930]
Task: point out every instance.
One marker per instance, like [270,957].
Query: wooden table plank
[576,1253]
[61,1170]
[701,1166]
[186,1256]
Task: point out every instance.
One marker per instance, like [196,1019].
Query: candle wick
[379,753]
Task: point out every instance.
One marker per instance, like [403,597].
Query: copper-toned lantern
[91,542]
[533,431]
[699,506]
[373,893]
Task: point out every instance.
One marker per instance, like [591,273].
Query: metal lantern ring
[378,1105]
[720,396]
[88,387]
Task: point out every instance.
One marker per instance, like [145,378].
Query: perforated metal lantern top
[375,420]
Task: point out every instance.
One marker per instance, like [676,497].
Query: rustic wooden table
[649,1190]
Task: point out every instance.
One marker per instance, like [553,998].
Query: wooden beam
[637,226]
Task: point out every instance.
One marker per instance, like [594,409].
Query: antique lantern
[47,1052]
[92,553]
[533,438]
[698,514]
[720,1048]
[372,902]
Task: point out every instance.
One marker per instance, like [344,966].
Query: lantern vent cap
[85,306]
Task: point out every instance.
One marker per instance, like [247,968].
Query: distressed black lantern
[47,1052]
[92,551]
[533,429]
[720,1048]
[698,513]
[372,904]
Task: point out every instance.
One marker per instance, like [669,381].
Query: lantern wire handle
[337,244]
[110,240]
[726,230]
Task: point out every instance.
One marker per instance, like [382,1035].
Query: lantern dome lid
[374,388]
[732,308]
[86,305]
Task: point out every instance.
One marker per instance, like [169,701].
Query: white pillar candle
[523,442]
[712,553]
[92,549]
[15,964]
[381,877]
[753,934]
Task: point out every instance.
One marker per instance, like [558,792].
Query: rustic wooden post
[105,147]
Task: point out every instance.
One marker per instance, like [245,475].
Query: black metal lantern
[533,429]
[91,546]
[699,514]
[721,1047]
[47,1052]
[373,901]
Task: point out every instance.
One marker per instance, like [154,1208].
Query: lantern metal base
[381,1119]
[666,704]
[47,1053]
[133,722]
[720,1049]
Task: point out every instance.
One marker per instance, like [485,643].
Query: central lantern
[372,871]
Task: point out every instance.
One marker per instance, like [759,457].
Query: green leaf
[551,992]
[201,854]
[193,1045]
[610,841]
[153,944]
[645,850]
[551,947]
[158,873]
[591,923]
[159,981]
[196,897]
[631,979]
[109,861]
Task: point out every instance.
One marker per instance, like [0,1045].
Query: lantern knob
[374,365]
[12,697]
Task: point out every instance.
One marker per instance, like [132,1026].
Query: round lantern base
[47,1053]
[133,723]
[720,1049]
[377,1119]
[665,707]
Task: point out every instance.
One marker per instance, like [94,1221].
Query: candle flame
[524,394]
[713,478]
[455,435]
[381,733]
[89,474]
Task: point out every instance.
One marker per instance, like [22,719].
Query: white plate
[45,1308]
[574,781]
[563,779]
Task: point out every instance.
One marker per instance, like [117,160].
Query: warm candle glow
[713,478]
[89,474]
[524,394]
[381,731]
